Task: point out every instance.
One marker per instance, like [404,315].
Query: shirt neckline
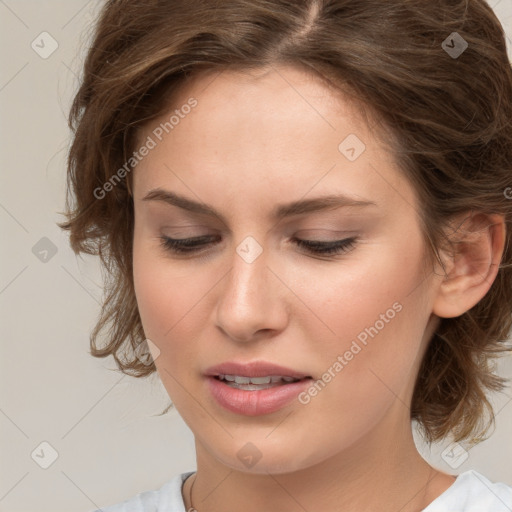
[453,488]
[437,501]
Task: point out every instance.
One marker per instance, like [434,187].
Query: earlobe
[478,242]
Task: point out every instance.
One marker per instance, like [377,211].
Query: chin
[261,457]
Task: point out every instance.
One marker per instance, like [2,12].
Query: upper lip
[253,369]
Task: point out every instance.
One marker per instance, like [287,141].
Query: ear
[478,241]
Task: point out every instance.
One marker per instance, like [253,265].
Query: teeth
[254,380]
[238,379]
[242,380]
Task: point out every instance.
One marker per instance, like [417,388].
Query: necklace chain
[192,509]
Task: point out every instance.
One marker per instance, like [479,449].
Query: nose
[252,300]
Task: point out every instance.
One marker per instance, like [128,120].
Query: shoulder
[473,492]
[167,498]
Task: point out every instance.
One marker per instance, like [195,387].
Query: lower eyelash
[194,245]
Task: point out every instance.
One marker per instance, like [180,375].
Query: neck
[373,474]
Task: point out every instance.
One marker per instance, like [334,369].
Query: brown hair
[448,119]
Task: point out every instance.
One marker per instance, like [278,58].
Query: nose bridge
[249,299]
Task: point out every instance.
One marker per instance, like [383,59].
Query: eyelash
[315,247]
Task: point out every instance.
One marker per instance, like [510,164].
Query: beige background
[100,423]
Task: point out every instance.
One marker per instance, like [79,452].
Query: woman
[305,212]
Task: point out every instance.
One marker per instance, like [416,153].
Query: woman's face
[247,147]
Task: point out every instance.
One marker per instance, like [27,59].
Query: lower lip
[255,403]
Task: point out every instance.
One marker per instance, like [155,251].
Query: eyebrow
[279,212]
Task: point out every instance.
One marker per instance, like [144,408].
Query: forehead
[281,127]
[278,94]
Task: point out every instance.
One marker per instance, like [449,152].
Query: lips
[228,384]
[255,402]
[254,369]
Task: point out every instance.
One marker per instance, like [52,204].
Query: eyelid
[321,249]
[324,234]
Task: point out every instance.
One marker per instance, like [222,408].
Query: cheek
[156,291]
[350,296]
[373,314]
[170,299]
[161,297]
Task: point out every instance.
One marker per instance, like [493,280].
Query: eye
[326,248]
[185,245]
[316,247]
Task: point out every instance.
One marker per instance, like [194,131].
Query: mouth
[255,395]
[257,383]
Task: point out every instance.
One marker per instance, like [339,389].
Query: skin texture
[253,141]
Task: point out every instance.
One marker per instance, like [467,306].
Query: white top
[470,492]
